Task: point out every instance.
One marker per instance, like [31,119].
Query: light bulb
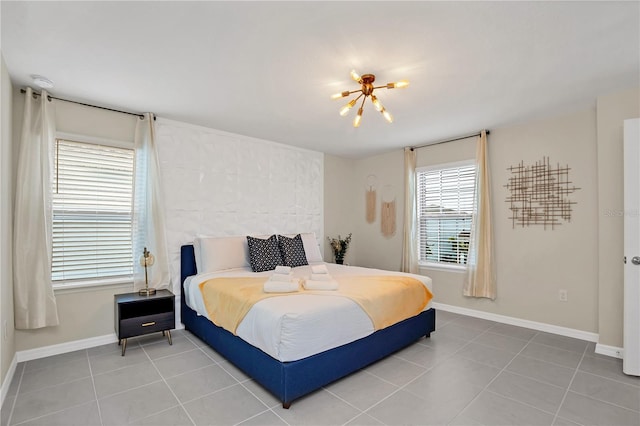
[340,95]
[376,103]
[398,85]
[345,109]
[355,76]
[388,116]
[356,122]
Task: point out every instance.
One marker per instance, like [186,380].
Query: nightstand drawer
[146,324]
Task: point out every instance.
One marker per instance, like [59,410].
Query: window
[92,212]
[445,211]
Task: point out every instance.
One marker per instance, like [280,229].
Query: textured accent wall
[217,183]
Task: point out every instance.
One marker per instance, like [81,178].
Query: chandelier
[366,90]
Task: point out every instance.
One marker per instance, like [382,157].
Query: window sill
[445,268]
[82,286]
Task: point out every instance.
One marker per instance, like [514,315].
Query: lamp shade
[147,260]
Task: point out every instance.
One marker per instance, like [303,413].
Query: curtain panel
[410,226]
[148,214]
[34,301]
[481,279]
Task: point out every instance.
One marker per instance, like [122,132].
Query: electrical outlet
[563,295]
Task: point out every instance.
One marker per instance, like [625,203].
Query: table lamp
[146,260]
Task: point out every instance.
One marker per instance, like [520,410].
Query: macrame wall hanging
[388,212]
[539,194]
[370,197]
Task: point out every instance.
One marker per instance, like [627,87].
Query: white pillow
[219,253]
[311,247]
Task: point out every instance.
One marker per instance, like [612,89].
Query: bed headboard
[187,262]
[187,268]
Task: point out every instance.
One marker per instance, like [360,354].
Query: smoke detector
[42,82]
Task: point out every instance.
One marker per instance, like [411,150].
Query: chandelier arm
[383,86]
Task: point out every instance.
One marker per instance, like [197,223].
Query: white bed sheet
[296,326]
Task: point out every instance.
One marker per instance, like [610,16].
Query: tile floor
[470,372]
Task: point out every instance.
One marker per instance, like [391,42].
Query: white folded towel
[320,277]
[319,269]
[281,277]
[282,269]
[280,286]
[321,285]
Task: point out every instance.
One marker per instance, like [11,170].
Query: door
[631,359]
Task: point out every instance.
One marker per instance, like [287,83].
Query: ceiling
[267,69]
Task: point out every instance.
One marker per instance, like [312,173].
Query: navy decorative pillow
[292,251]
[264,255]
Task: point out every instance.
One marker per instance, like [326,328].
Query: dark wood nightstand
[136,315]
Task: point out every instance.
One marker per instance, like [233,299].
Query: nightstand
[136,315]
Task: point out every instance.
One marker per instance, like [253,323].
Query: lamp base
[147,291]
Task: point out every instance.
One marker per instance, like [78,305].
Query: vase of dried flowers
[339,247]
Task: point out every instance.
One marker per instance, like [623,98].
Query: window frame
[443,266]
[75,284]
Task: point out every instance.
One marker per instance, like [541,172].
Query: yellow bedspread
[387,299]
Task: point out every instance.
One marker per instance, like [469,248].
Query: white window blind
[446,207]
[92,212]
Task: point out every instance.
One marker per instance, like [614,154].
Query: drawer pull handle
[147,324]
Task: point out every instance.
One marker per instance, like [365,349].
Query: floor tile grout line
[566,392]
[609,378]
[486,387]
[129,389]
[549,362]
[51,413]
[407,384]
[510,398]
[208,394]
[524,376]
[15,400]
[265,404]
[253,417]
[57,384]
[164,410]
[95,392]
[168,387]
[605,402]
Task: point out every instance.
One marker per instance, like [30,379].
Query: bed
[289,380]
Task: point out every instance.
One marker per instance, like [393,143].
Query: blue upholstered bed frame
[291,380]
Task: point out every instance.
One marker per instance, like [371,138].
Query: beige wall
[338,204]
[612,110]
[7,343]
[85,312]
[583,257]
[375,249]
[532,264]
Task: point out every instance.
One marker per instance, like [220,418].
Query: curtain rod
[448,140]
[49,97]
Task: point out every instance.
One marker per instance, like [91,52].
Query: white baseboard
[612,351]
[534,325]
[61,348]
[76,345]
[6,383]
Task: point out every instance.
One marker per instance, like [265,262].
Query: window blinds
[92,212]
[445,213]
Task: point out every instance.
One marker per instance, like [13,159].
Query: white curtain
[34,301]
[481,280]
[409,234]
[149,224]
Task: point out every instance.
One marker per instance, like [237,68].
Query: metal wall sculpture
[539,194]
